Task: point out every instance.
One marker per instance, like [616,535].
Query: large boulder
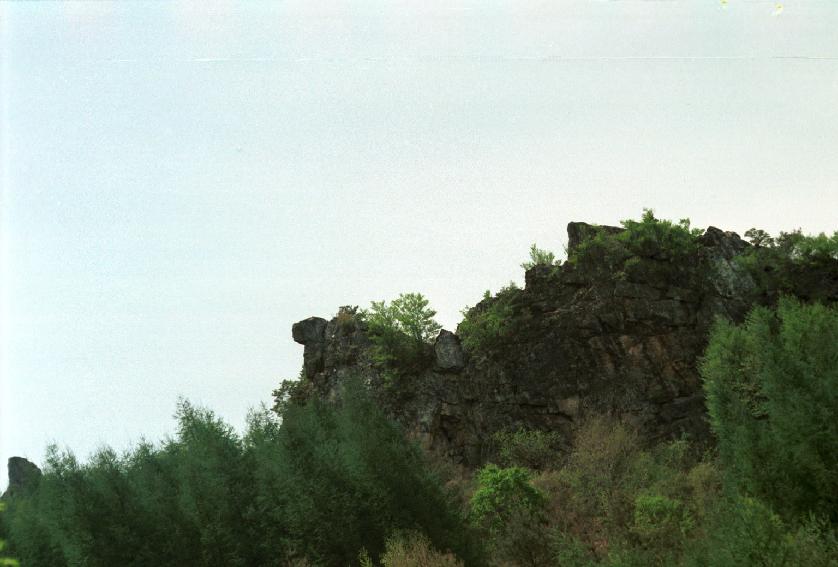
[311,333]
[23,475]
[448,352]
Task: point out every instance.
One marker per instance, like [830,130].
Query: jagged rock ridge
[580,340]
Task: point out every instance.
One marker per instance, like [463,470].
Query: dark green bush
[510,511]
[530,448]
[647,238]
[771,386]
[485,325]
[325,482]
[5,561]
[344,478]
[792,263]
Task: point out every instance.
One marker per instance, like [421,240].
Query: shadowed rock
[576,341]
[448,352]
[23,475]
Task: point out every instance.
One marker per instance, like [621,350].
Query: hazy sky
[181,182]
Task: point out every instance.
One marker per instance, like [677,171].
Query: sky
[181,182]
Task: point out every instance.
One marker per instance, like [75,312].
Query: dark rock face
[579,341]
[448,352]
[23,475]
[311,334]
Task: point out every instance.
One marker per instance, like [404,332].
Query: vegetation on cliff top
[649,237]
[401,330]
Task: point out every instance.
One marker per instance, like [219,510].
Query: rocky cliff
[580,338]
[23,475]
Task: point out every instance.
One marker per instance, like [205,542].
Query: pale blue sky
[181,182]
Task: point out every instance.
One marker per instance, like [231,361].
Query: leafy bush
[792,263]
[770,386]
[615,502]
[661,523]
[5,561]
[510,510]
[401,331]
[540,257]
[486,324]
[746,532]
[415,550]
[530,448]
[647,238]
[344,477]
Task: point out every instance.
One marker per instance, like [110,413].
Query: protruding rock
[727,243]
[23,475]
[577,232]
[308,331]
[449,352]
[311,332]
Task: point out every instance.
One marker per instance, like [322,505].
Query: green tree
[401,330]
[771,388]
[4,560]
[511,512]
[343,477]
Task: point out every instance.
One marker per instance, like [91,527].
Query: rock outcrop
[580,339]
[23,475]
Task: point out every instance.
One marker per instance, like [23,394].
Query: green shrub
[745,532]
[661,524]
[413,549]
[540,257]
[793,263]
[4,560]
[485,325]
[647,238]
[344,477]
[530,448]
[401,331]
[614,501]
[510,510]
[770,386]
[326,481]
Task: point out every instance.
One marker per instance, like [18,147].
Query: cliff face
[23,475]
[580,339]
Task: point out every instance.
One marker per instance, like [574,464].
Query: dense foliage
[771,393]
[4,560]
[618,253]
[793,263]
[401,330]
[335,482]
[486,324]
[319,486]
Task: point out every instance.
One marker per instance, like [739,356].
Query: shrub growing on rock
[649,237]
[486,324]
[793,263]
[540,257]
[401,330]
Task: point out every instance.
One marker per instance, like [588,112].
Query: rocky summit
[580,338]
